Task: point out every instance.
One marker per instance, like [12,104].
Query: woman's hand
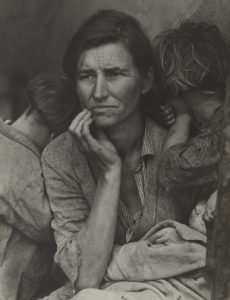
[165,236]
[100,148]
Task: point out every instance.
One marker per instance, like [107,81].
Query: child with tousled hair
[192,63]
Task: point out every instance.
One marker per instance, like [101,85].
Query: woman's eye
[113,74]
[86,76]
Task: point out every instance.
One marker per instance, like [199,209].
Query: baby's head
[203,212]
[192,57]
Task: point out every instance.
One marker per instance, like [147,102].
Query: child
[192,63]
[25,216]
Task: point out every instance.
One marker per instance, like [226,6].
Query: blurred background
[34,34]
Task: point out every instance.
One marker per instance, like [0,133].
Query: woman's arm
[85,236]
[99,229]
[145,260]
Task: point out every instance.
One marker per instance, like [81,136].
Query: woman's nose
[100,91]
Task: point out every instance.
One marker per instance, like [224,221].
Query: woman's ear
[148,81]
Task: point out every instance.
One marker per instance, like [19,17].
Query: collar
[151,134]
[18,137]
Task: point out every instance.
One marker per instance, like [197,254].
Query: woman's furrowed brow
[116,69]
[85,70]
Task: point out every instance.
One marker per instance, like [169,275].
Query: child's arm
[195,161]
[179,131]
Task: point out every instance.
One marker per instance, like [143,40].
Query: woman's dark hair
[54,98]
[194,56]
[110,26]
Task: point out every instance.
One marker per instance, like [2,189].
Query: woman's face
[109,84]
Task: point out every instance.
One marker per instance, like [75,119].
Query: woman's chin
[103,122]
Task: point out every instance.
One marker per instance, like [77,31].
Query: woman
[102,176]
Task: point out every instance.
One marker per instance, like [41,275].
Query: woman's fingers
[154,237]
[161,234]
[100,147]
[92,144]
[81,135]
[77,120]
[76,128]
[77,124]
[162,240]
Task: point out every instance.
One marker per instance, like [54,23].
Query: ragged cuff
[69,259]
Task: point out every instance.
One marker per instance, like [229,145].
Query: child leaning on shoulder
[193,63]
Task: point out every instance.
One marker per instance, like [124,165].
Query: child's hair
[194,56]
[54,98]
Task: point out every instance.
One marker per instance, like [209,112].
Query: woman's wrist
[114,171]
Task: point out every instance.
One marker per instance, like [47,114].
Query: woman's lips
[101,108]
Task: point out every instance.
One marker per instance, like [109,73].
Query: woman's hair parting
[194,56]
[110,26]
[54,98]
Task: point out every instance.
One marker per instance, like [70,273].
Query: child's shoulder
[215,124]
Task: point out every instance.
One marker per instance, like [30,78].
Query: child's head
[53,99]
[192,57]
[203,212]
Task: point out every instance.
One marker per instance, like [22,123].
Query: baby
[169,231]
[166,248]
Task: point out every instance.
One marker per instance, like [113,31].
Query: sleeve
[70,211]
[193,163]
[25,205]
[142,261]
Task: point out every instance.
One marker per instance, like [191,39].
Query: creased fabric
[71,180]
[196,162]
[188,287]
[25,216]
[141,261]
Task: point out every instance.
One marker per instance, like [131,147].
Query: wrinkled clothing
[25,217]
[195,162]
[141,261]
[140,271]
[63,293]
[186,288]
[71,180]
